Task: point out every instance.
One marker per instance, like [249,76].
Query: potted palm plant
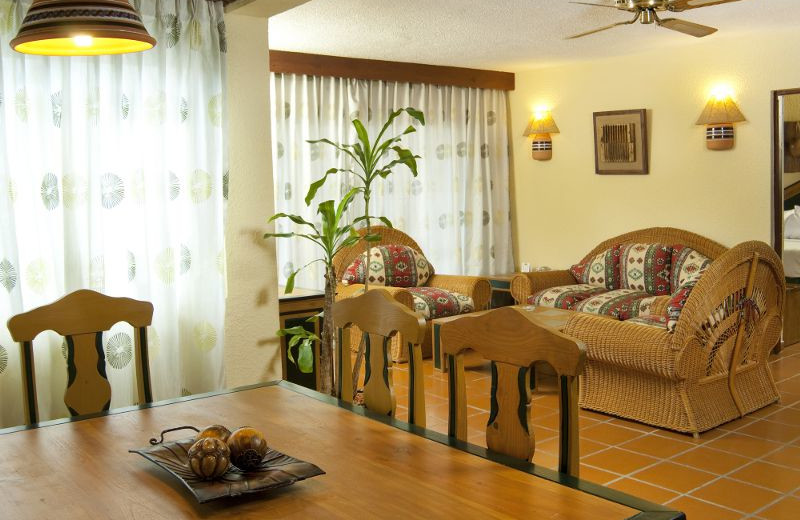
[370,164]
[372,160]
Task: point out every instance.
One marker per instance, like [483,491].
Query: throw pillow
[678,301]
[686,262]
[645,267]
[390,266]
[600,270]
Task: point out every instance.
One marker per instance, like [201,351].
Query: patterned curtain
[113,172]
[457,209]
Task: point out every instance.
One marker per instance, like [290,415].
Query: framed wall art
[620,142]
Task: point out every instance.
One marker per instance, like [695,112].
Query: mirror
[786,180]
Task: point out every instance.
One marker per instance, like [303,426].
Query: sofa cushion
[622,304]
[564,296]
[645,267]
[686,262]
[433,302]
[659,322]
[390,265]
[678,301]
[600,270]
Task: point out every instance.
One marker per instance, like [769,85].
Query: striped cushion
[390,266]
[600,271]
[622,304]
[564,296]
[646,267]
[686,262]
[433,302]
[659,322]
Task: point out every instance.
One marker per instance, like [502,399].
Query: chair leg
[29,401]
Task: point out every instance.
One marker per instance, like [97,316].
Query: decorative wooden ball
[248,447]
[209,458]
[215,430]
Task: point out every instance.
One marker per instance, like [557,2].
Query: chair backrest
[513,341]
[82,317]
[379,317]
[664,235]
[389,236]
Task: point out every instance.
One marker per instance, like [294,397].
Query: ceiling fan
[646,12]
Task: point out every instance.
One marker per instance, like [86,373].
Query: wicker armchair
[475,287]
[712,369]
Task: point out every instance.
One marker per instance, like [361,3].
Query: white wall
[562,209]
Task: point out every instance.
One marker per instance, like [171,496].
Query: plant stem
[361,344]
[327,343]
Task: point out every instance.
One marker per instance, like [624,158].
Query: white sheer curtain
[457,209]
[112,176]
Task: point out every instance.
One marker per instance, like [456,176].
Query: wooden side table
[294,309]
[791,315]
[501,290]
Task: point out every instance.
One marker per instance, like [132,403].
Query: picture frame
[620,142]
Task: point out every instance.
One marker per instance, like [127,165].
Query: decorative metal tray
[276,470]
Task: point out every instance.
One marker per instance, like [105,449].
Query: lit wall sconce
[540,128]
[718,116]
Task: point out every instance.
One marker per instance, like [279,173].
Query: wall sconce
[540,128]
[718,116]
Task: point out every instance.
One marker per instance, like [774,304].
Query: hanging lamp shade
[81,28]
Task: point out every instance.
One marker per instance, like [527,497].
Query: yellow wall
[562,209]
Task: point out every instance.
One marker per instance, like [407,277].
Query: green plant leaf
[406,157]
[290,282]
[372,237]
[305,356]
[278,235]
[386,221]
[416,114]
[316,185]
[409,130]
[362,136]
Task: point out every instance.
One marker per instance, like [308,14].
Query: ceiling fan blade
[682,5]
[690,28]
[587,33]
[595,5]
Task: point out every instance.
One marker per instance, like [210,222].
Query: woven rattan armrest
[475,287]
[399,293]
[637,347]
[527,284]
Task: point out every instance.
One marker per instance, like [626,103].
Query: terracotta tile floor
[749,468]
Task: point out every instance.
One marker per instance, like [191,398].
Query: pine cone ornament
[209,458]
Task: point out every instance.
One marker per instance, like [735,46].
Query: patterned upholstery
[646,267]
[600,271]
[390,265]
[564,296]
[622,304]
[678,301]
[433,302]
[686,262]
[659,322]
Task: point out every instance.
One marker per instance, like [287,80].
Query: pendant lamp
[81,28]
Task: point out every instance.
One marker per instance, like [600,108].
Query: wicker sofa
[710,367]
[475,287]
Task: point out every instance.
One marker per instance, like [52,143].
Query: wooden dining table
[375,467]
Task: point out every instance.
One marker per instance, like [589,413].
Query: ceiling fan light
[81,28]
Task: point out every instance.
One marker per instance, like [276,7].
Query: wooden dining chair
[82,317]
[513,343]
[379,317]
